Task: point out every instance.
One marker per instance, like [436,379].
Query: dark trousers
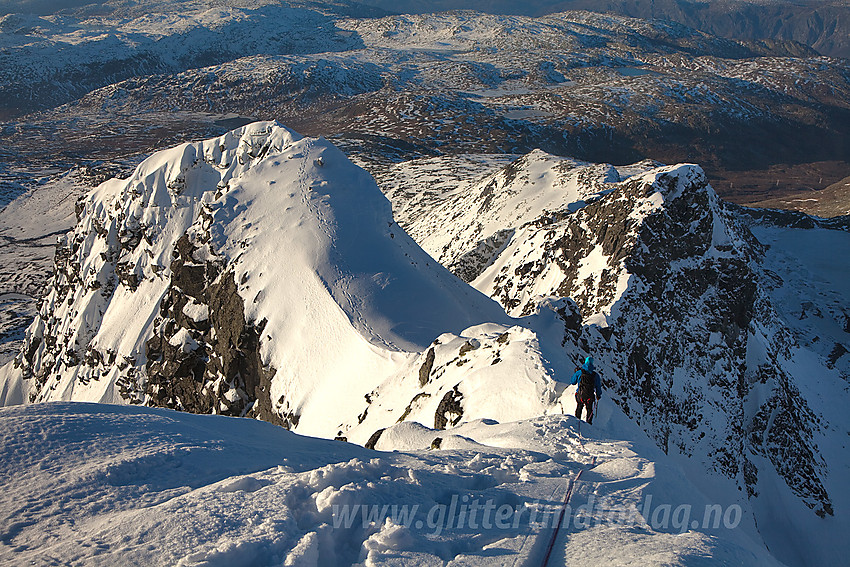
[588,403]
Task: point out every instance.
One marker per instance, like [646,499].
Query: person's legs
[589,411]
[579,405]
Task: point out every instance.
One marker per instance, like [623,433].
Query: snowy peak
[695,325]
[259,273]
[549,226]
[678,219]
[588,251]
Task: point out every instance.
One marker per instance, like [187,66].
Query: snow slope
[29,226]
[106,485]
[466,231]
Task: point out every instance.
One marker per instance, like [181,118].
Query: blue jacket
[588,366]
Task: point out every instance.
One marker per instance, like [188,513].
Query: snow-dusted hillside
[51,59]
[120,80]
[108,485]
[822,24]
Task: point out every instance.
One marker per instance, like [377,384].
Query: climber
[589,388]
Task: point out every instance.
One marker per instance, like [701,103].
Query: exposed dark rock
[436,443]
[373,440]
[130,238]
[837,352]
[778,431]
[425,369]
[362,417]
[471,264]
[468,346]
[224,373]
[449,405]
[127,276]
[93,358]
[409,407]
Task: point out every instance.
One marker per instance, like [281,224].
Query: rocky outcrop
[425,369]
[141,307]
[450,410]
[204,356]
[373,440]
[671,283]
[470,264]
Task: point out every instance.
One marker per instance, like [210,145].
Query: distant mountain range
[821,24]
[765,119]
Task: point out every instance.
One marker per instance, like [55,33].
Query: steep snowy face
[703,352]
[474,223]
[259,273]
[483,227]
[651,222]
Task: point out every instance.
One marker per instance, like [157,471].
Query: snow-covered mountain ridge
[262,274]
[722,331]
[107,485]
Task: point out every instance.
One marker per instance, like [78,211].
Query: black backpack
[586,385]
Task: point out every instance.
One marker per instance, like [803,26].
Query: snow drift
[105,485]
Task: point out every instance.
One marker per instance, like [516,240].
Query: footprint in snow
[244,484]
